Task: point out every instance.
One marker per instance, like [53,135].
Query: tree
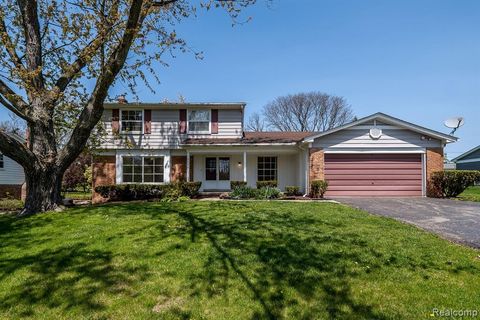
[255,123]
[51,49]
[75,176]
[311,111]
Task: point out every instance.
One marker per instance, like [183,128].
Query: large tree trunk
[43,191]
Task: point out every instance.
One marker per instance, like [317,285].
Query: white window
[143,169]
[2,164]
[132,121]
[266,168]
[199,121]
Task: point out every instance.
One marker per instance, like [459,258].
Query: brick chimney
[121,99]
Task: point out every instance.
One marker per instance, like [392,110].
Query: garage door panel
[373,174]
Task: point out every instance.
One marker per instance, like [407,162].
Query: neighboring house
[12,176]
[470,160]
[378,155]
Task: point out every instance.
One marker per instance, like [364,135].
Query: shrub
[264,184]
[244,193]
[268,193]
[451,183]
[318,188]
[292,190]
[126,192]
[235,184]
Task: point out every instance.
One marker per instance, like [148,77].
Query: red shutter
[183,121]
[147,128]
[214,120]
[115,121]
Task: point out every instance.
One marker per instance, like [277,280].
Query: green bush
[318,188]
[451,183]
[244,193]
[268,193]
[128,192]
[264,184]
[292,190]
[235,184]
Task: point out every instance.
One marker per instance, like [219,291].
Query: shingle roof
[250,137]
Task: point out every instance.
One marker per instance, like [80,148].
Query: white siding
[165,134]
[11,173]
[392,137]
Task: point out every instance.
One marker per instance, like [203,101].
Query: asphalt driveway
[455,220]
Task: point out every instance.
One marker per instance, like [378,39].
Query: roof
[233,105]
[466,154]
[389,119]
[250,137]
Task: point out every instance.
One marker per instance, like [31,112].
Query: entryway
[217,173]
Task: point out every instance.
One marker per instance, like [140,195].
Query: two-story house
[378,155]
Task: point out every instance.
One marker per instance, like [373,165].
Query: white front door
[217,173]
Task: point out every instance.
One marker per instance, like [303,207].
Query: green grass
[228,260]
[78,195]
[471,194]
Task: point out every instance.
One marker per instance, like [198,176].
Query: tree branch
[7,41]
[16,150]
[14,100]
[93,110]
[33,43]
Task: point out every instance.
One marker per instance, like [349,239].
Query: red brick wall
[10,191]
[434,163]
[104,173]
[316,164]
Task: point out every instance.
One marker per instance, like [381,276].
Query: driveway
[455,220]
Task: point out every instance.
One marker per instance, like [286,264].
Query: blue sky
[418,60]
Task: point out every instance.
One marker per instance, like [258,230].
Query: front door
[217,173]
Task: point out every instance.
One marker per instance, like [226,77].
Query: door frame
[217,180]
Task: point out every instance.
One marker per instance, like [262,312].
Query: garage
[374,175]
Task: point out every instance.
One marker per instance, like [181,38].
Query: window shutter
[182,127]
[115,121]
[147,121]
[214,120]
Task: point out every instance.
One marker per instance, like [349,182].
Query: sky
[418,60]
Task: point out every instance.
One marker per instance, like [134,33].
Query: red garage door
[367,175]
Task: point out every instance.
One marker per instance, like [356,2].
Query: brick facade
[104,173]
[316,164]
[10,191]
[434,163]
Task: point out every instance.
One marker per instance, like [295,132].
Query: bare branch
[9,46]
[16,150]
[14,100]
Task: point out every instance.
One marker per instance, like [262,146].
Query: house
[378,155]
[469,160]
[12,176]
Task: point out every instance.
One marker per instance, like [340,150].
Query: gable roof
[466,154]
[389,119]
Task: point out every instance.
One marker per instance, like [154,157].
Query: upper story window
[132,121]
[199,121]
[2,164]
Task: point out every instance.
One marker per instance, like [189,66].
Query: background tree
[75,177]
[50,49]
[255,123]
[311,111]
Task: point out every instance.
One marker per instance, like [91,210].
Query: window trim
[209,121]
[276,167]
[121,131]
[217,168]
[143,169]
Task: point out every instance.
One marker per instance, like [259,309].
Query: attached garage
[377,156]
[374,174]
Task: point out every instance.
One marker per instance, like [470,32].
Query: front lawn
[228,260]
[471,194]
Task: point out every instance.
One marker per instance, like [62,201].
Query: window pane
[223,168]
[199,115]
[199,126]
[127,169]
[148,169]
[148,178]
[211,169]
[127,178]
[127,160]
[137,161]
[159,178]
[137,178]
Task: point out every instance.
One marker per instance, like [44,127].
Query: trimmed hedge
[245,192]
[128,192]
[265,184]
[237,184]
[318,188]
[292,190]
[451,183]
